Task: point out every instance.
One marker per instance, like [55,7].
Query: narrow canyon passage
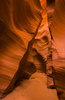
[32,49]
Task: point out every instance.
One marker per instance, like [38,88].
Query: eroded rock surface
[29,41]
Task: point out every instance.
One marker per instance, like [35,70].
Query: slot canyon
[32,49]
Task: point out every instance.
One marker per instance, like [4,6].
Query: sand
[33,89]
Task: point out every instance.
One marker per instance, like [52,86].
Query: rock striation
[32,40]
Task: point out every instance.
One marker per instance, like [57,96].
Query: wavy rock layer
[24,37]
[26,45]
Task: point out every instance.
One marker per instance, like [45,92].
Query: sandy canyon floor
[33,89]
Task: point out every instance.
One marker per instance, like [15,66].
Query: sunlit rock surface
[27,45]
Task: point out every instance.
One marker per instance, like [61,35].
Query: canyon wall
[32,39]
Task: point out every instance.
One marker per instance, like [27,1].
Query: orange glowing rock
[32,40]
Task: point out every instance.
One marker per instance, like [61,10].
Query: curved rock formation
[19,30]
[27,45]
